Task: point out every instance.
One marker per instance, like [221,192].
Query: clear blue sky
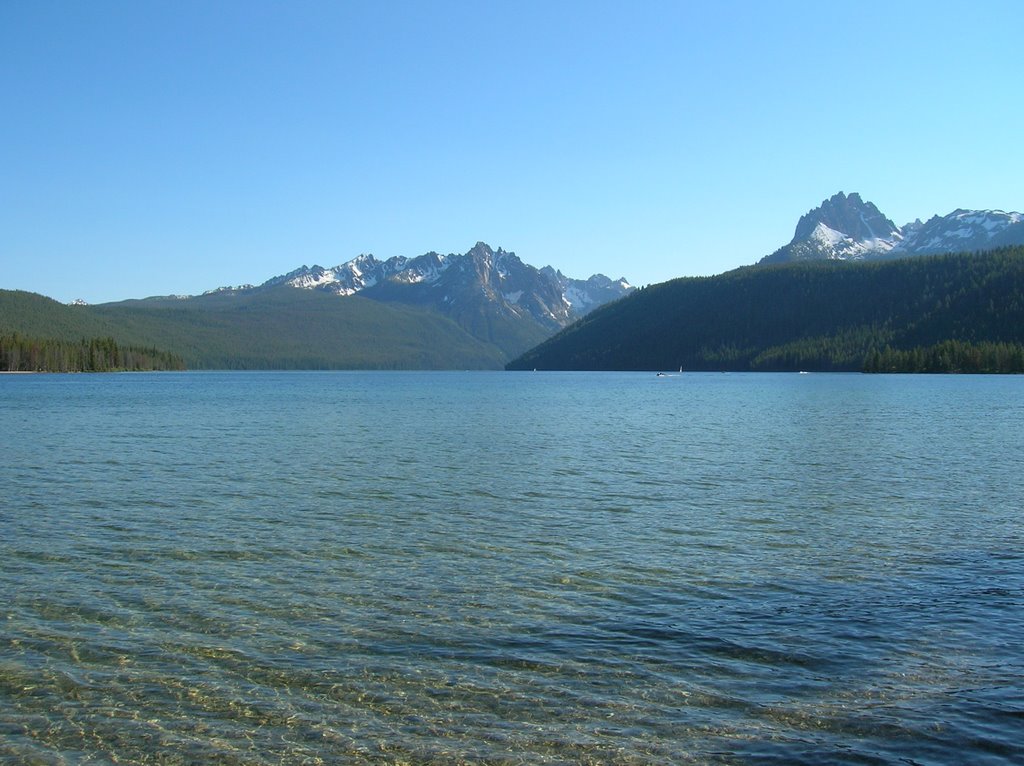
[174,147]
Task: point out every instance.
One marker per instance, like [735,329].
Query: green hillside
[287,328]
[825,315]
[277,328]
[40,334]
[34,315]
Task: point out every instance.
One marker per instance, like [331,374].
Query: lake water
[511,568]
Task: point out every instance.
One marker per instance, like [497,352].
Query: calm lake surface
[511,568]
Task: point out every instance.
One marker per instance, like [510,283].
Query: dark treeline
[25,354]
[962,312]
[950,356]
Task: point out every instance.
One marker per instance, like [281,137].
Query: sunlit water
[508,568]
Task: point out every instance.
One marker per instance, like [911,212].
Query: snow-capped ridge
[964,230]
[227,289]
[493,277]
[845,227]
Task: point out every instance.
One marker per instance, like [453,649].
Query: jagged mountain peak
[484,278]
[849,215]
[483,250]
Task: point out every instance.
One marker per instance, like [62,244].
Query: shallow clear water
[511,568]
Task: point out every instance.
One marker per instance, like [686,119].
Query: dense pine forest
[951,313]
[23,354]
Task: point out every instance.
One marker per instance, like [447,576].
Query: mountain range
[472,310]
[490,294]
[482,308]
[480,279]
[845,227]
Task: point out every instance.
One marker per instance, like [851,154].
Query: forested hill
[960,312]
[38,334]
[276,328]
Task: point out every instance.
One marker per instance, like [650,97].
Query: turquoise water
[511,568]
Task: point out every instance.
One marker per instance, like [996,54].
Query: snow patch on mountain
[837,245]
[220,290]
[963,230]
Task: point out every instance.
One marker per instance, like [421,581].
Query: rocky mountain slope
[845,227]
[481,280]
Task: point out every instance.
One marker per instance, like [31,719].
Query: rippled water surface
[511,568]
